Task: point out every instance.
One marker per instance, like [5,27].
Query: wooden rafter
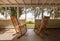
[24,2]
[2,2]
[38,2]
[10,2]
[52,1]
[17,2]
[46,1]
[31,2]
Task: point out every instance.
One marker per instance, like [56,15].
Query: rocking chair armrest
[17,25]
[21,26]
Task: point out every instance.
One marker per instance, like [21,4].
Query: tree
[2,9]
[38,11]
[20,11]
[57,12]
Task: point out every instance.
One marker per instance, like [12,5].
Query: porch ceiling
[29,2]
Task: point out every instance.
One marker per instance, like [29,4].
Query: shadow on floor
[3,30]
[51,34]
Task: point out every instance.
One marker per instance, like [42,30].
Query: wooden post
[17,12]
[19,28]
[42,13]
[5,12]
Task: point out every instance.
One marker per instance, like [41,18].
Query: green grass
[30,25]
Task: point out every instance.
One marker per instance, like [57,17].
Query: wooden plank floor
[52,35]
[7,34]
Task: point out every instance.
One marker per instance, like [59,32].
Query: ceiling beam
[35,4]
[28,6]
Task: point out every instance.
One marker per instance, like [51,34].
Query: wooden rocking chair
[20,29]
[42,25]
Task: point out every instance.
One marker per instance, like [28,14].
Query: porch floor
[49,35]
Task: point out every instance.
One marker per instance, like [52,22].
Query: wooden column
[5,12]
[25,15]
[42,12]
[17,11]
